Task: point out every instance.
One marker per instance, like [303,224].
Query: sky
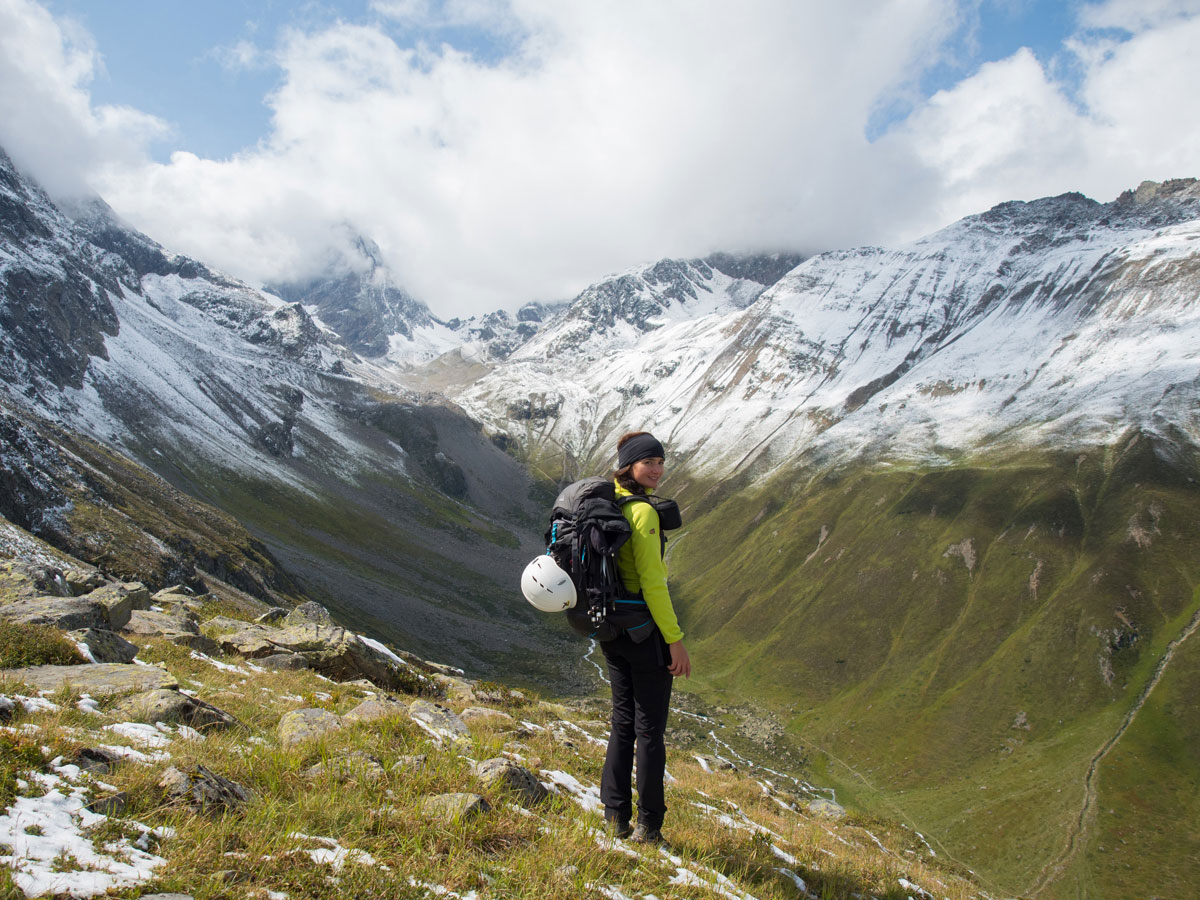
[506,151]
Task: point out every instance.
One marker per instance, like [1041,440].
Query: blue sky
[502,151]
[168,58]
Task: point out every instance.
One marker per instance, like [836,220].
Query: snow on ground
[53,853]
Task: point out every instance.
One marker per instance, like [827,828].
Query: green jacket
[642,566]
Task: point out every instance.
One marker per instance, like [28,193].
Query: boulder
[302,725]
[438,721]
[272,615]
[151,623]
[373,709]
[284,662]
[95,759]
[21,580]
[108,804]
[121,599]
[176,593]
[826,809]
[104,646]
[482,713]
[223,624]
[97,679]
[249,642]
[505,775]
[65,613]
[448,809]
[456,688]
[177,627]
[202,789]
[172,706]
[309,613]
[83,581]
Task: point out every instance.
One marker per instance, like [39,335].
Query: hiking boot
[643,834]
[615,828]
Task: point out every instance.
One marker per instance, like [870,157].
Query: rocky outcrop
[97,679]
[162,705]
[302,725]
[103,646]
[329,649]
[505,775]
[202,789]
[439,721]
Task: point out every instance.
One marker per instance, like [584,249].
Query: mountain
[390,508]
[1029,324]
[940,505]
[940,499]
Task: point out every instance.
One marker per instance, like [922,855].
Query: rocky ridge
[1033,324]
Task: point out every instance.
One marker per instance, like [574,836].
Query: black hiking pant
[641,696]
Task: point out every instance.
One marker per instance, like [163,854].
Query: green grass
[35,645]
[963,639]
[551,852]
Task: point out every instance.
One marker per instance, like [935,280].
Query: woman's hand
[681,663]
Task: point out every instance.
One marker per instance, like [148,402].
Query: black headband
[642,446]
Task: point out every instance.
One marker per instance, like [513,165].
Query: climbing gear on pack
[547,586]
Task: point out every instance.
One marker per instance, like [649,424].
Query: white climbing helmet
[547,586]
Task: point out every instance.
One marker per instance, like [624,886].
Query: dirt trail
[1078,832]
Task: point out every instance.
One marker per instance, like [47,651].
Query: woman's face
[647,472]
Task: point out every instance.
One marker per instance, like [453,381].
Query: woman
[641,674]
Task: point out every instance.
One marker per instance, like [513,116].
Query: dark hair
[624,475]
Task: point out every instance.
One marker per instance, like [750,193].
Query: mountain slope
[1035,324]
[389,507]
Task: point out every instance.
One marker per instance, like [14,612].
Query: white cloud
[47,122]
[627,131]
[1012,132]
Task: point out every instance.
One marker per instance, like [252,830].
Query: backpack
[586,530]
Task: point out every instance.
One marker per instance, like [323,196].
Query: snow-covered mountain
[1055,322]
[249,403]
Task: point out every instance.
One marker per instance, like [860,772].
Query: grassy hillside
[963,644]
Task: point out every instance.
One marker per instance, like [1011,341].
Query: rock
[826,809]
[151,623]
[356,766]
[495,693]
[104,646]
[21,580]
[712,764]
[374,709]
[109,804]
[250,642]
[176,593]
[438,721]
[178,627]
[82,581]
[456,688]
[173,706]
[506,775]
[203,789]
[480,713]
[302,725]
[284,662]
[121,599]
[65,613]
[449,809]
[95,759]
[411,763]
[309,613]
[272,615]
[97,679]
[223,624]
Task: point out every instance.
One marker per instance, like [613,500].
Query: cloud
[1011,131]
[591,137]
[47,122]
[616,133]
